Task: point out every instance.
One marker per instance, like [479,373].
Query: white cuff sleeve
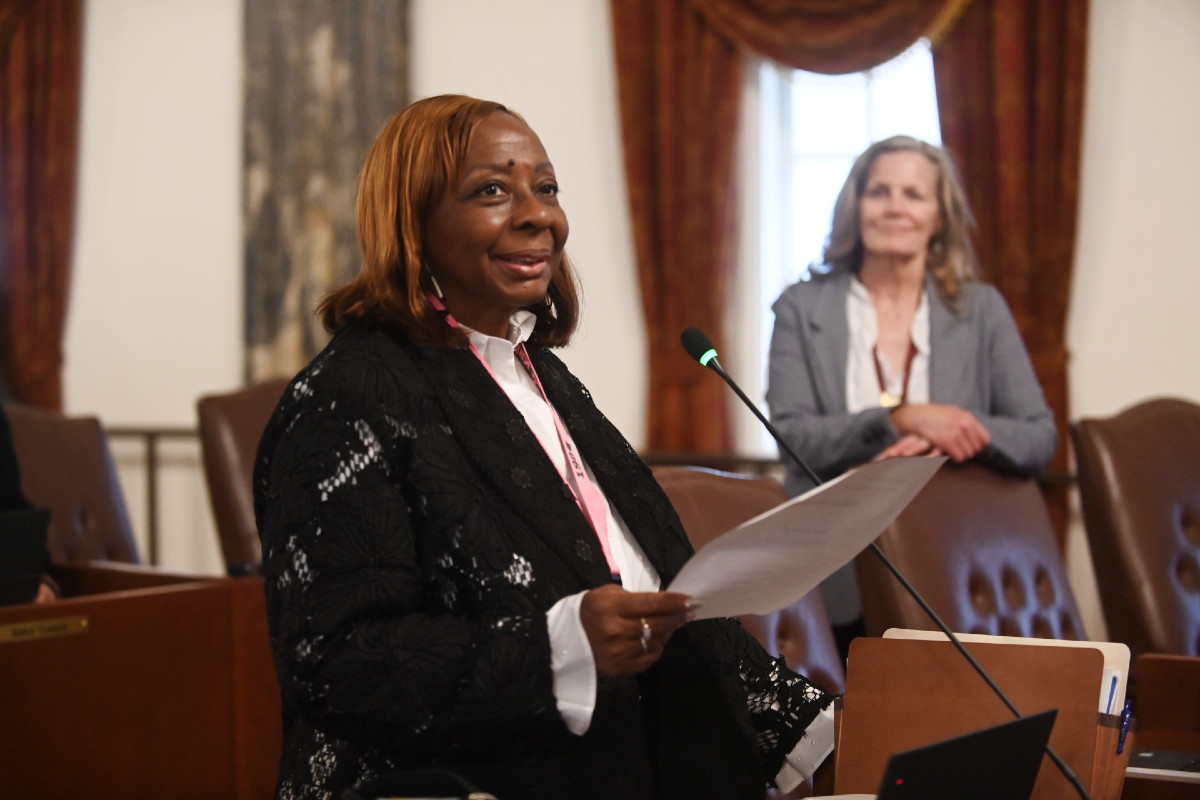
[572,663]
[813,748]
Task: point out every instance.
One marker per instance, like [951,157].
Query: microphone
[701,348]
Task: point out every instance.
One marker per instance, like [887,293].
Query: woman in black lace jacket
[12,498]
[462,556]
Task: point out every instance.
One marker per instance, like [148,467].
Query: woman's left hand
[45,593]
[628,630]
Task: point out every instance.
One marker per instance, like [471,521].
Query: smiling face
[496,238]
[898,210]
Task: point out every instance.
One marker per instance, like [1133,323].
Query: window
[804,131]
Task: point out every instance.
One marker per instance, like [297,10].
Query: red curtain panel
[41,44]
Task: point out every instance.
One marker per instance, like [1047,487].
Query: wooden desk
[905,693]
[1166,713]
[163,689]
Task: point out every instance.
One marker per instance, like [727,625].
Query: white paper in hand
[776,558]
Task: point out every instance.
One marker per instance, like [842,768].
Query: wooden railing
[150,438]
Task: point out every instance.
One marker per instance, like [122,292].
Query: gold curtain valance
[829,36]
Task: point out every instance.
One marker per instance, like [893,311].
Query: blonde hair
[950,258]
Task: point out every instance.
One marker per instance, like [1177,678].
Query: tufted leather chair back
[230,427]
[66,467]
[1139,485]
[710,502]
[980,548]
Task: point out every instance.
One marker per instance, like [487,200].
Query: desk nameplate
[43,629]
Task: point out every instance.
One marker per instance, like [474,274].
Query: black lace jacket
[414,535]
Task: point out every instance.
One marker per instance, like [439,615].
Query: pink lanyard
[589,498]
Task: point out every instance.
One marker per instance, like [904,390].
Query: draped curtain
[1010,81]
[1010,84]
[41,45]
[679,84]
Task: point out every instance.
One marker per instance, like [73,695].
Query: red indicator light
[899,781]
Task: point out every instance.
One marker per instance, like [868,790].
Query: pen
[1126,716]
[1112,691]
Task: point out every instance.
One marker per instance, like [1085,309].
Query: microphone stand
[706,354]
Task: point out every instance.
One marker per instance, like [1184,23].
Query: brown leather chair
[230,426]
[710,502]
[1139,485]
[980,548]
[66,466]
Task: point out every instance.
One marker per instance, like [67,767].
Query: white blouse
[862,382]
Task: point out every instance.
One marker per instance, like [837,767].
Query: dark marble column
[321,77]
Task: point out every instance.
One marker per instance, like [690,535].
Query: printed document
[776,558]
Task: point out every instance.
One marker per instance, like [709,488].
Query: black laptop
[22,553]
[998,763]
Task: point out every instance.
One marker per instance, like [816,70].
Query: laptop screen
[1000,762]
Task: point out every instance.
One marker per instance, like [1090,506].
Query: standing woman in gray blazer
[892,347]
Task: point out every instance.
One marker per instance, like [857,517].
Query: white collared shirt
[862,383]
[571,653]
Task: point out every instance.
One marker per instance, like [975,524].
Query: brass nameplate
[43,629]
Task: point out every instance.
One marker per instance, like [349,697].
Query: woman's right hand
[614,621]
[910,444]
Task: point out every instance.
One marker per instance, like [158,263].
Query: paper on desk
[776,558]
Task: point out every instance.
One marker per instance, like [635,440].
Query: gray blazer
[977,362]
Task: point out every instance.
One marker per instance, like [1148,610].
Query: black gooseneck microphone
[701,348]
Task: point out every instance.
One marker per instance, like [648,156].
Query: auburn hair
[416,158]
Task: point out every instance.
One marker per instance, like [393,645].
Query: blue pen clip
[1126,718]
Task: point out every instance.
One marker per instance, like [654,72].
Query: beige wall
[155,316]
[156,296]
[1134,330]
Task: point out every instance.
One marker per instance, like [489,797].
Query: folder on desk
[906,693]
